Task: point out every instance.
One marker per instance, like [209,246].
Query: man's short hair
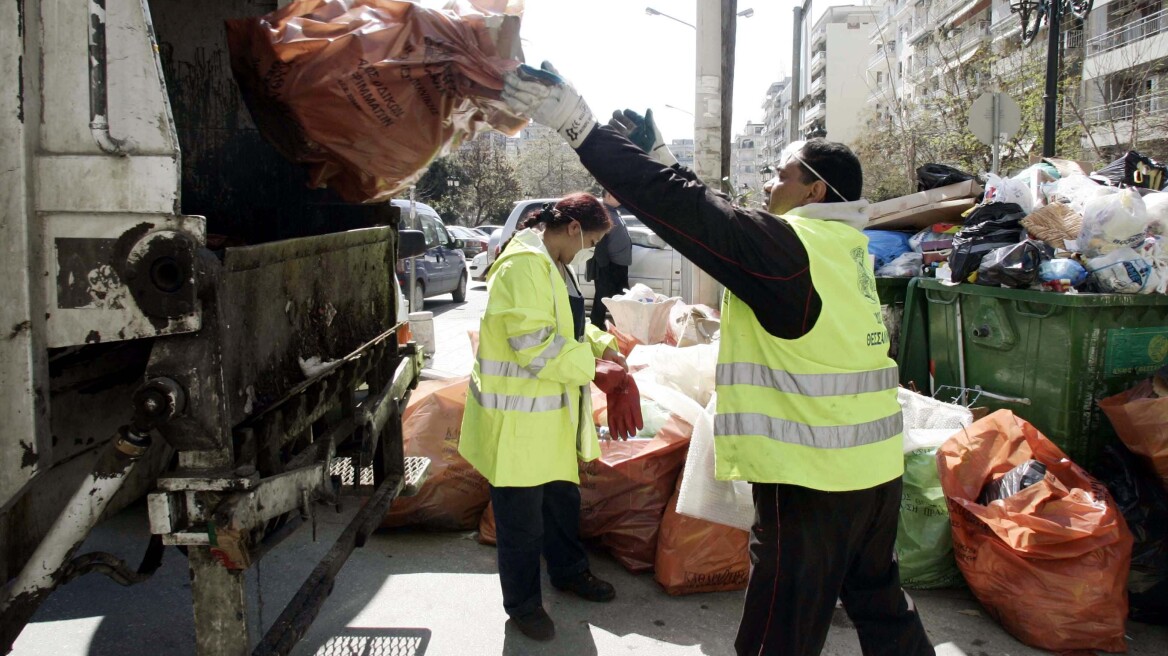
[838,165]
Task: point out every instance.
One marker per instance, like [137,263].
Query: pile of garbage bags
[1050,227]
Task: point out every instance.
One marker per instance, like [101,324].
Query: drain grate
[377,642]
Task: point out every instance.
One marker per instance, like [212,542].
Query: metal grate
[417,469]
[377,642]
[343,466]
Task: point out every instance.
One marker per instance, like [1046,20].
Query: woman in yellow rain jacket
[528,411]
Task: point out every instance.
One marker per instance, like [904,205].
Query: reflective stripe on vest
[749,373]
[821,437]
[505,369]
[519,403]
[523,342]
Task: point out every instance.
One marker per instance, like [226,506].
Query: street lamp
[679,109]
[1032,12]
[745,13]
[451,182]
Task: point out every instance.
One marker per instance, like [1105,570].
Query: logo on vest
[867,284]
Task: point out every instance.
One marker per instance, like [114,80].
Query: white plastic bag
[906,265]
[641,313]
[701,495]
[689,370]
[1112,222]
[1122,271]
[1006,190]
[1076,190]
[693,324]
[922,412]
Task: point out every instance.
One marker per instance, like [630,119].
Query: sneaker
[588,587]
[536,625]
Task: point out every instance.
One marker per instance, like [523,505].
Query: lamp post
[1032,13]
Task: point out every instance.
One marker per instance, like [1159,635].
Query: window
[440,235]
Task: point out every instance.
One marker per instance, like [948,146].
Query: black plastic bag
[1013,482]
[1134,170]
[990,226]
[931,176]
[1144,505]
[1015,265]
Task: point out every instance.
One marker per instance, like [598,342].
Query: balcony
[813,114]
[817,86]
[877,59]
[818,60]
[1151,104]
[818,37]
[1129,33]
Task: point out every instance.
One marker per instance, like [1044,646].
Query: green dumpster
[891,293]
[1048,357]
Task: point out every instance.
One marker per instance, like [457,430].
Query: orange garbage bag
[1140,418]
[487,526]
[623,493]
[368,92]
[695,555]
[454,495]
[1050,562]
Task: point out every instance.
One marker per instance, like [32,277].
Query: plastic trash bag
[454,495]
[887,245]
[931,176]
[1050,562]
[694,555]
[1062,269]
[689,370]
[1139,417]
[623,494]
[1014,266]
[1012,482]
[1122,271]
[924,542]
[988,227]
[1076,190]
[923,412]
[1008,190]
[1144,504]
[701,495]
[693,324]
[1112,222]
[641,313]
[906,265]
[1135,170]
[368,92]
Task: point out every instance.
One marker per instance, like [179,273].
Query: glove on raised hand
[544,95]
[642,131]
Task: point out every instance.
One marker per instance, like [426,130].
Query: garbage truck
[183,319]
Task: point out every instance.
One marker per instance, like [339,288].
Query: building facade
[776,120]
[834,49]
[746,161]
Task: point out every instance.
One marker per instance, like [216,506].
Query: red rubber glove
[610,377]
[624,411]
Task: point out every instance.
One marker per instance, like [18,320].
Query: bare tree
[488,183]
[548,168]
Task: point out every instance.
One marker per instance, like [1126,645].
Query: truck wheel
[459,293]
[418,298]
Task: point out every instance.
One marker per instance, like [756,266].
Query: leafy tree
[548,167]
[435,188]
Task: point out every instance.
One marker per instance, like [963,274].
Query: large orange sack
[1050,562]
[454,495]
[368,92]
[623,493]
[1140,418]
[695,555]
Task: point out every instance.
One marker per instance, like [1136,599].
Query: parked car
[474,242]
[442,268]
[488,229]
[655,263]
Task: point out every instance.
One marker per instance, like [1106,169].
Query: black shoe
[588,587]
[536,625]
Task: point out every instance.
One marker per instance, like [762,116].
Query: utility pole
[714,86]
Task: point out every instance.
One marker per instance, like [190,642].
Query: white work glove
[544,95]
[642,131]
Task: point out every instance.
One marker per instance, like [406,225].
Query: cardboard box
[946,211]
[968,189]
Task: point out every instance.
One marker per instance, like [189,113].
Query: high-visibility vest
[528,412]
[819,411]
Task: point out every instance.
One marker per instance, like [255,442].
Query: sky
[617,56]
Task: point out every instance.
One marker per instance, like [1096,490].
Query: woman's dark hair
[838,165]
[578,206]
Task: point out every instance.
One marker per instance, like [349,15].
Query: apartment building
[1125,77]
[776,119]
[915,42]
[683,150]
[746,160]
[834,54]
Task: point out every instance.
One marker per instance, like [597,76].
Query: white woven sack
[921,411]
[647,322]
[701,495]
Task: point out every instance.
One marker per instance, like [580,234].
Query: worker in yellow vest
[806,407]
[528,410]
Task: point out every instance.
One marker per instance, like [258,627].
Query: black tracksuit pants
[610,281]
[809,547]
[530,521]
